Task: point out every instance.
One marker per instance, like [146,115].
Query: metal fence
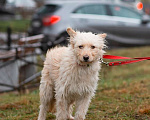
[18,58]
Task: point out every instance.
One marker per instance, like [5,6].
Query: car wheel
[44,46]
[62,40]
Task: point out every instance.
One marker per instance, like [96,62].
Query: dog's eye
[81,46]
[92,47]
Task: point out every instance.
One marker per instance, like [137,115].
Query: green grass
[123,93]
[16,25]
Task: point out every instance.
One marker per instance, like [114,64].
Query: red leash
[132,60]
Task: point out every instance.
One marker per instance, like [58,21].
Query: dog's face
[87,46]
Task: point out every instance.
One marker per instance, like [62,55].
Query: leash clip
[106,63]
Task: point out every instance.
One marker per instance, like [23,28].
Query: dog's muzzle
[86,58]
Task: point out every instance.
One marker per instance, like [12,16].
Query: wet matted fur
[70,76]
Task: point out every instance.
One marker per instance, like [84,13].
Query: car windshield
[121,11]
[48,9]
[91,9]
[128,0]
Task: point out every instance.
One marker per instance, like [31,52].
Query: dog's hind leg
[70,112]
[46,99]
[52,107]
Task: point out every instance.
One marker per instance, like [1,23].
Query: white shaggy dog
[70,75]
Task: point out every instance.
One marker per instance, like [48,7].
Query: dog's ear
[103,35]
[71,32]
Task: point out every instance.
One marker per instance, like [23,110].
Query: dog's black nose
[85,57]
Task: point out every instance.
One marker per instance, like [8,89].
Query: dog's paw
[71,118]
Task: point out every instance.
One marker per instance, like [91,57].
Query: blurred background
[125,21]
[29,27]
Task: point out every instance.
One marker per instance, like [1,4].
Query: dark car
[124,25]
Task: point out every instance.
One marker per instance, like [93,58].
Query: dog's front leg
[61,106]
[81,107]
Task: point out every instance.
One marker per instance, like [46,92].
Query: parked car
[124,25]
